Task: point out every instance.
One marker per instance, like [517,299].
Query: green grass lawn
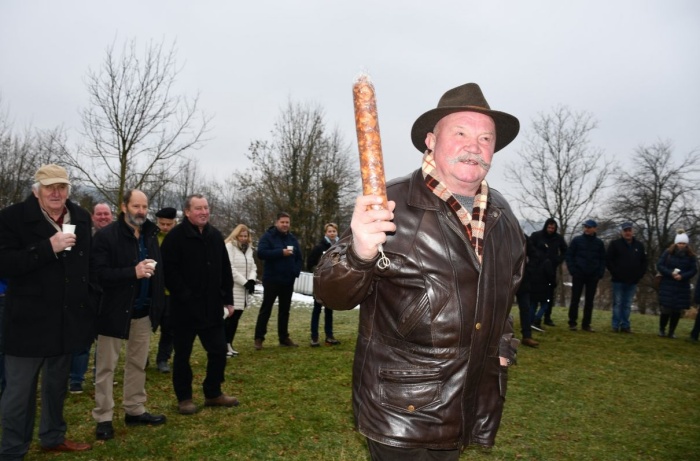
[580,396]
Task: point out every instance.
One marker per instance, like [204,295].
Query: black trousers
[590,283]
[271,292]
[231,325]
[380,452]
[214,343]
[18,404]
[165,343]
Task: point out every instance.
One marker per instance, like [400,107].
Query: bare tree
[136,127]
[559,174]
[303,170]
[660,196]
[21,155]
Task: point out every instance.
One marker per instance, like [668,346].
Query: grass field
[580,396]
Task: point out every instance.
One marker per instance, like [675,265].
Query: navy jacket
[586,256]
[278,268]
[50,303]
[675,294]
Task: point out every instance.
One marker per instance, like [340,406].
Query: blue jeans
[623,293]
[327,321]
[79,365]
[538,314]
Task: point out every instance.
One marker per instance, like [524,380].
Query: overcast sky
[633,64]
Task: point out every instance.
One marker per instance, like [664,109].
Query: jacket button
[411,408]
[478,326]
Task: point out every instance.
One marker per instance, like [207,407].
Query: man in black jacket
[199,278]
[549,239]
[49,313]
[124,255]
[585,260]
[626,260]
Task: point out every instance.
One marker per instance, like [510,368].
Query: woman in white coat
[240,252]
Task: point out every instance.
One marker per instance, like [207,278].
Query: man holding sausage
[435,335]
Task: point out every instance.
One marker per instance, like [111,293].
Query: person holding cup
[280,251]
[125,257]
[49,310]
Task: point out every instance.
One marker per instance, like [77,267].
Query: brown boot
[187,407]
[258,344]
[221,401]
[529,342]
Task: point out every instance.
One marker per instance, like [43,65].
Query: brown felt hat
[465,98]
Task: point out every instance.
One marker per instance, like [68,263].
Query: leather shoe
[287,342]
[104,431]
[144,418]
[187,407]
[529,342]
[258,344]
[68,445]
[221,401]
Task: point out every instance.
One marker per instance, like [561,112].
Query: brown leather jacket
[432,326]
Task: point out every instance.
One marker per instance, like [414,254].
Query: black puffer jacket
[432,326]
[586,256]
[627,262]
[675,294]
[115,254]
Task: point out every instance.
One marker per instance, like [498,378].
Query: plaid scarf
[473,223]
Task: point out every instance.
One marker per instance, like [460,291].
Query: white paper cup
[225,312]
[68,229]
[291,248]
[152,264]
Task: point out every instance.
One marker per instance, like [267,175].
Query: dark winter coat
[554,243]
[316,253]
[115,254]
[675,294]
[433,324]
[627,262]
[197,274]
[279,269]
[541,273]
[586,256]
[50,303]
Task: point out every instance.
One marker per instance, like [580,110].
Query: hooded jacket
[432,325]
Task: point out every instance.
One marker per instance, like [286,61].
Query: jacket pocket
[410,389]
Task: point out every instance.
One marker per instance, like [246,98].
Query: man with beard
[554,245]
[125,257]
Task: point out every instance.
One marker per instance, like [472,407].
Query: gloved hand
[250,286]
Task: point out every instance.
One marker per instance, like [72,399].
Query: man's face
[136,210]
[101,216]
[463,145]
[551,228]
[165,224]
[283,224]
[198,212]
[589,230]
[52,198]
[628,234]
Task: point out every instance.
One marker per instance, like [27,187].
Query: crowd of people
[586,259]
[435,272]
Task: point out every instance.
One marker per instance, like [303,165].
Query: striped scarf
[473,223]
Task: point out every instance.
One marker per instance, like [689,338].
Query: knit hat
[681,237]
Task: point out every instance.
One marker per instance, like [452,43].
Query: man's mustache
[471,157]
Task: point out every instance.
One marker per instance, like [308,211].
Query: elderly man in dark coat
[49,313]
